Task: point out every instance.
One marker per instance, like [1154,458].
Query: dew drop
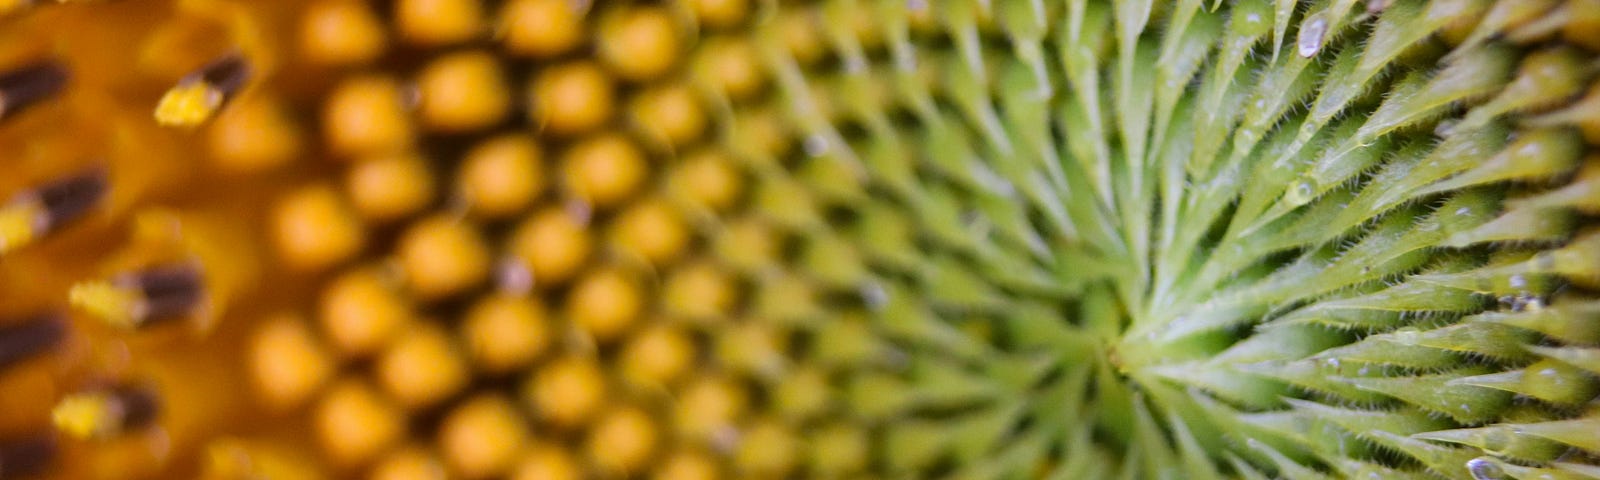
[512,277]
[1407,336]
[1533,304]
[725,439]
[1519,281]
[411,96]
[1300,193]
[1250,135]
[1531,149]
[1497,439]
[1310,41]
[855,65]
[874,296]
[580,211]
[1522,302]
[1445,128]
[1484,469]
[992,181]
[1544,262]
[970,218]
[906,62]
[1483,284]
[895,360]
[815,145]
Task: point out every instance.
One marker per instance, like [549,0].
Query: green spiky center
[1191,241]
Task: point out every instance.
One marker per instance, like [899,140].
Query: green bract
[1138,239]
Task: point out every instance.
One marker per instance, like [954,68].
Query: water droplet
[906,62]
[1484,469]
[874,296]
[1310,41]
[1332,363]
[1463,211]
[1300,193]
[990,180]
[815,145]
[1533,304]
[512,277]
[855,65]
[725,438]
[580,211]
[1249,135]
[1522,302]
[1530,149]
[895,359]
[1445,128]
[1497,439]
[970,218]
[411,96]
[1519,281]
[1406,336]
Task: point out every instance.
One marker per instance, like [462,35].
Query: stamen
[134,299]
[25,86]
[200,95]
[102,414]
[33,213]
[27,456]
[19,341]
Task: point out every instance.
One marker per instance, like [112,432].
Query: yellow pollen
[87,415]
[115,305]
[19,224]
[188,105]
